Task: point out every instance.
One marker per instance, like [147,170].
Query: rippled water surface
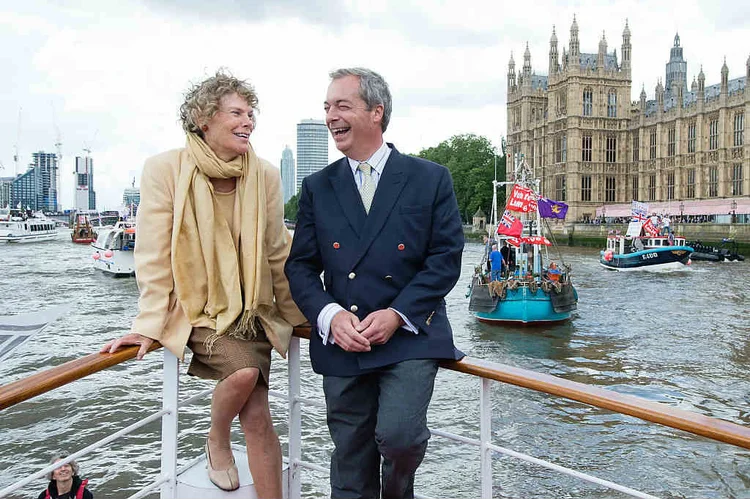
[681,339]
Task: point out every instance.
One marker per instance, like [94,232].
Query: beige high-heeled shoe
[228,479]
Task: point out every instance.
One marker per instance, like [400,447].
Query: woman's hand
[129,339]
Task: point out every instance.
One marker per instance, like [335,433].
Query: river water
[679,338]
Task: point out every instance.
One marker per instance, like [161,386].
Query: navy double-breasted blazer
[404,254]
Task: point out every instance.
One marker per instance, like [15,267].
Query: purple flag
[552,209]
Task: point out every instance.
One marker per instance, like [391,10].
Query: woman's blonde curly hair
[202,100]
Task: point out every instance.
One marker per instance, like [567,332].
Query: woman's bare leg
[263,449]
[230,396]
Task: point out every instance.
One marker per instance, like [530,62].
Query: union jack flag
[507,219]
[509,225]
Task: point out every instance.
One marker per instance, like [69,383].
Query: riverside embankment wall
[580,234]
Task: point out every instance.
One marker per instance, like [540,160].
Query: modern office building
[288,178]
[312,148]
[131,198]
[37,188]
[684,151]
[5,184]
[85,196]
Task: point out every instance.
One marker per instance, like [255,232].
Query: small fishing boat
[532,290]
[643,247]
[114,249]
[656,253]
[83,231]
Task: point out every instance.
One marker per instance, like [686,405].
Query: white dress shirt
[377,162]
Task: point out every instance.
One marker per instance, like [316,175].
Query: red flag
[649,228]
[509,225]
[522,199]
[537,240]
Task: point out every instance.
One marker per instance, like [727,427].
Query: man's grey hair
[372,89]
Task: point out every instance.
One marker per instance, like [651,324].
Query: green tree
[471,161]
[291,207]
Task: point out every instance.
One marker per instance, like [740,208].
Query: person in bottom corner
[65,482]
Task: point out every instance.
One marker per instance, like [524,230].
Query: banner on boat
[522,199]
[649,228]
[639,210]
[509,225]
[552,209]
[541,240]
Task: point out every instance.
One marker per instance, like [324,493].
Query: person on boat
[487,250]
[552,273]
[498,263]
[385,231]
[209,262]
[666,223]
[65,482]
[509,256]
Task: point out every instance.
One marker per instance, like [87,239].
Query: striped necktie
[367,189]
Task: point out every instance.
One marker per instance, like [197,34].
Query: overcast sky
[110,74]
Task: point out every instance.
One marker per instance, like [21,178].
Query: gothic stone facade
[591,146]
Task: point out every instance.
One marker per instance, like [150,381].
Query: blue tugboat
[654,253]
[532,290]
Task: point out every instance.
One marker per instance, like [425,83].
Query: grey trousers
[374,415]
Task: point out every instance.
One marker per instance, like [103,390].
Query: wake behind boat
[531,290]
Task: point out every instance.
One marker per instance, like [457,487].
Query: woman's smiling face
[64,472]
[228,131]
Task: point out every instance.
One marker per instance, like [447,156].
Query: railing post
[485,436]
[170,395]
[295,421]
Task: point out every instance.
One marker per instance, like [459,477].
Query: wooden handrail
[716,429]
[697,424]
[42,382]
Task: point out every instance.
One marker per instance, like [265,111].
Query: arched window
[588,100]
[612,104]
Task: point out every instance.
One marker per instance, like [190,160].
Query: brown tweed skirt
[228,355]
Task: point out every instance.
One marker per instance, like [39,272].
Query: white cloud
[114,72]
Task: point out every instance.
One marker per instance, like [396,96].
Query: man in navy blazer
[384,230]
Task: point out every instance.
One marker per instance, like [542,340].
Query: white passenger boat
[17,227]
[113,249]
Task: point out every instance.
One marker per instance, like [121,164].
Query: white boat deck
[193,481]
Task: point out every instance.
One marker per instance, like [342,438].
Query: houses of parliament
[597,150]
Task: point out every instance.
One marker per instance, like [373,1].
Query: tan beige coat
[160,316]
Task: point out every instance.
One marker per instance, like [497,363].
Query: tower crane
[58,152]
[15,146]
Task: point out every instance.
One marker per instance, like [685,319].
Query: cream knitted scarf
[210,279]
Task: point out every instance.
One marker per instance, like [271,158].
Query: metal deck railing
[487,372]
